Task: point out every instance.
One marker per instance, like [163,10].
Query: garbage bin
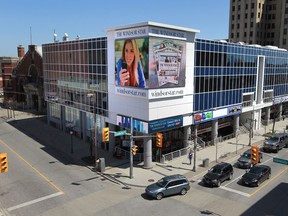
[206,162]
[101,164]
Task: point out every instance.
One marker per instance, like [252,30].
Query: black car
[256,175]
[245,159]
[218,173]
[168,185]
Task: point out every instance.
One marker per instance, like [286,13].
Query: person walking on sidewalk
[190,156]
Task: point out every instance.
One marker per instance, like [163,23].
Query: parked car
[245,159]
[218,174]
[276,142]
[256,175]
[168,185]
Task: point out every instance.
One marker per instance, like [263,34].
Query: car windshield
[162,182]
[255,170]
[246,155]
[215,170]
[274,139]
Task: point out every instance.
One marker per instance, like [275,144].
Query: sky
[34,21]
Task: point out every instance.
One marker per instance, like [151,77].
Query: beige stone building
[263,22]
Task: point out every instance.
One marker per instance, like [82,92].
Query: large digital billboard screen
[150,63]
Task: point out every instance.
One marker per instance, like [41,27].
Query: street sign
[120,133]
[280,160]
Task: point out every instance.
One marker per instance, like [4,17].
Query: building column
[187,134]
[112,139]
[236,119]
[280,109]
[214,132]
[48,113]
[147,152]
[63,119]
[29,101]
[267,115]
[39,104]
[83,125]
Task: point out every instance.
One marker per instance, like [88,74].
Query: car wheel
[159,196]
[277,149]
[258,183]
[183,191]
[230,176]
[218,183]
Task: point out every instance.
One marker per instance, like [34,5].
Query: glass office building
[224,85]
[75,82]
[226,72]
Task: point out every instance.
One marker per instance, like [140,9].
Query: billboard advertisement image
[168,58]
[150,63]
[132,62]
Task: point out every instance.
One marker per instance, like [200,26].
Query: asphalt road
[42,181]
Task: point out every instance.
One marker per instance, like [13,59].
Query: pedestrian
[190,156]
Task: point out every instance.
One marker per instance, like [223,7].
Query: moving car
[169,185]
[245,159]
[218,173]
[276,142]
[256,175]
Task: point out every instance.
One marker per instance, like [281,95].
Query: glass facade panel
[76,75]
[224,71]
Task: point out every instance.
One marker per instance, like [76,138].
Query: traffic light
[105,134]
[254,154]
[159,138]
[134,149]
[3,162]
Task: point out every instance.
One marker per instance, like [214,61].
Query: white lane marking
[235,191]
[34,201]
[232,190]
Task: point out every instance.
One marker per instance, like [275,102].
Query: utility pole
[195,147]
[131,146]
[95,134]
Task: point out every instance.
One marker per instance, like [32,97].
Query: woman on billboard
[129,68]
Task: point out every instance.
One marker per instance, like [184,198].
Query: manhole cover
[150,180]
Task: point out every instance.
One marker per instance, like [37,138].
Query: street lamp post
[95,132]
[71,141]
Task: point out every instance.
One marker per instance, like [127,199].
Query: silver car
[276,142]
[169,185]
[245,159]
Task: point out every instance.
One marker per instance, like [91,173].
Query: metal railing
[175,154]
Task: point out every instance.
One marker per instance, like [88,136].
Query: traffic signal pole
[131,146]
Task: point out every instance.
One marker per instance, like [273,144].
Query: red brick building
[23,83]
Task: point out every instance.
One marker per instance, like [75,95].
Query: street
[44,181]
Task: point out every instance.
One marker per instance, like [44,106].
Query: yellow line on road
[280,173]
[31,166]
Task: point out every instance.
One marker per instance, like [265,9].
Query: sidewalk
[57,142]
